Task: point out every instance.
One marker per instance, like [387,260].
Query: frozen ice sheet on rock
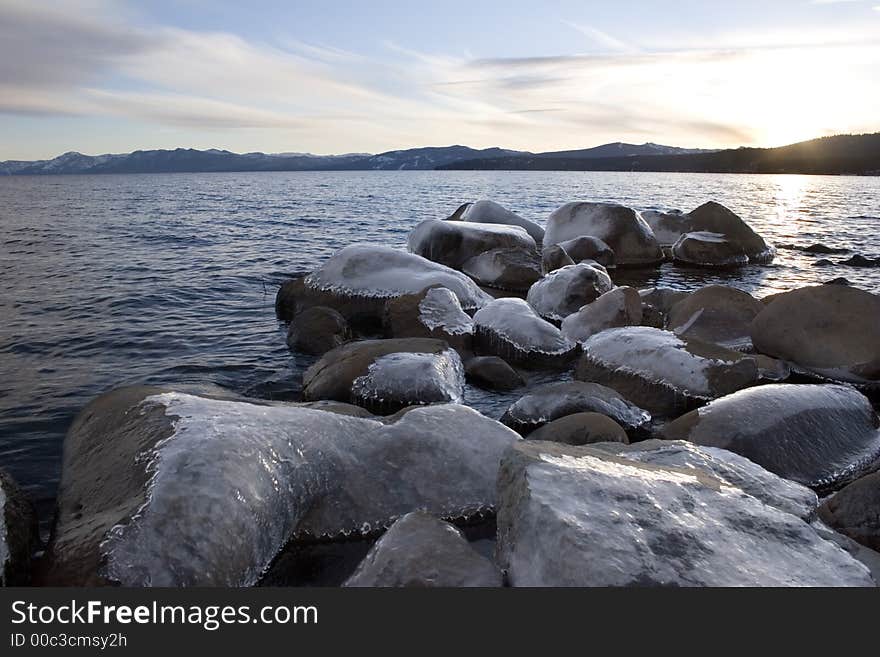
[395,381]
[490,212]
[210,490]
[578,516]
[452,243]
[563,291]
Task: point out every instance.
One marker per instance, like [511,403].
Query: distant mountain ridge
[189,160]
[841,154]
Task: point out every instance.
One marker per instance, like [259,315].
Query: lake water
[113,280]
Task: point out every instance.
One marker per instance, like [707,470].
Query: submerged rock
[490,212]
[717,314]
[731,239]
[18,533]
[358,280]
[162,488]
[418,551]
[317,330]
[821,436]
[622,306]
[579,516]
[855,510]
[552,401]
[492,373]
[452,243]
[335,372]
[505,269]
[620,227]
[859,260]
[586,247]
[554,257]
[509,328]
[662,372]
[395,381]
[431,313]
[830,330]
[668,226]
[581,429]
[564,291]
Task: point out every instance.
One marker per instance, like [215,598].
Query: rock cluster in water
[671,437]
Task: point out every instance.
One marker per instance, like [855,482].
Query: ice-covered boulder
[161,488]
[581,429]
[490,212]
[580,516]
[819,435]
[620,227]
[510,329]
[317,330]
[333,375]
[554,257]
[718,237]
[421,551]
[552,401]
[431,313]
[656,304]
[668,226]
[564,291]
[855,510]
[829,330]
[452,243]
[505,269]
[492,373]
[717,314]
[662,372]
[18,533]
[621,306]
[395,381]
[359,279]
[586,247]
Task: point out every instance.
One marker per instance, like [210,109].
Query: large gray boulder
[162,488]
[359,279]
[510,329]
[490,212]
[452,243]
[333,375]
[421,551]
[317,330]
[492,373]
[620,227]
[830,330]
[661,372]
[855,510]
[656,304]
[18,533]
[591,248]
[564,291]
[718,314]
[668,226]
[622,306]
[719,237]
[821,436]
[505,269]
[581,429]
[552,401]
[432,313]
[554,257]
[581,516]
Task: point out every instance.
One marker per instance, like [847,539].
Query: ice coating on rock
[555,400]
[4,546]
[404,379]
[821,436]
[621,306]
[655,354]
[734,469]
[563,291]
[577,516]
[489,212]
[505,269]
[383,272]
[235,481]
[514,320]
[453,243]
[708,249]
[440,309]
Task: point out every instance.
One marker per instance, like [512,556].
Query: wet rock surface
[492,373]
[579,516]
[581,429]
[718,314]
[822,436]
[505,269]
[490,212]
[586,247]
[317,330]
[564,291]
[452,243]
[855,510]
[621,306]
[432,313]
[735,234]
[421,551]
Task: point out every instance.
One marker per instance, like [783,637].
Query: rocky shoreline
[706,438]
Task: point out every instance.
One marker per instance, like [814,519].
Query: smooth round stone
[581,429]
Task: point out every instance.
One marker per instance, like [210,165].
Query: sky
[339,76]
